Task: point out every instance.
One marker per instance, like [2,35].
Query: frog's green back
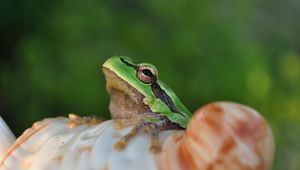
[129,75]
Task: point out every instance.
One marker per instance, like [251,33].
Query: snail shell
[219,136]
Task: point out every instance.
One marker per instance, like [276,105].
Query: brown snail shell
[222,136]
[219,136]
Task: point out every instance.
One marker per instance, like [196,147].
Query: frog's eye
[147,74]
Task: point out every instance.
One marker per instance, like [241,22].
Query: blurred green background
[246,51]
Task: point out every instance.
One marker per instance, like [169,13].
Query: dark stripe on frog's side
[163,96]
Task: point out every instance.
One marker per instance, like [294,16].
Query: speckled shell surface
[220,136]
[52,145]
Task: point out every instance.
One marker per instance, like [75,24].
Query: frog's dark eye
[147,74]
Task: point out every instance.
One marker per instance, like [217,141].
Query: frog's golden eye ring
[147,74]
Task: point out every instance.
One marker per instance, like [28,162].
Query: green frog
[139,98]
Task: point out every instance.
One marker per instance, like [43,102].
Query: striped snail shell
[220,136]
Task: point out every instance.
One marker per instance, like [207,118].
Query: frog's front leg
[152,125]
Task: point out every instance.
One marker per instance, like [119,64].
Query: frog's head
[127,85]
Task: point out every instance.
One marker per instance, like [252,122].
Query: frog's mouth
[125,101]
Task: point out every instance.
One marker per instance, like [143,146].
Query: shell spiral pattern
[220,136]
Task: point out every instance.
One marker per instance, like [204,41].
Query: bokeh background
[247,51]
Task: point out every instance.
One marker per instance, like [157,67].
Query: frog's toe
[155,148]
[153,130]
[143,127]
[122,143]
[155,145]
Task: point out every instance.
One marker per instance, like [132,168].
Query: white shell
[53,144]
[6,138]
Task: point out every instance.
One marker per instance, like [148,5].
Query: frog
[139,99]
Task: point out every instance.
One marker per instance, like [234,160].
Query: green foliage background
[247,51]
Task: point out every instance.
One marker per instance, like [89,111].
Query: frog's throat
[125,101]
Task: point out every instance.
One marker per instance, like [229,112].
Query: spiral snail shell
[220,136]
